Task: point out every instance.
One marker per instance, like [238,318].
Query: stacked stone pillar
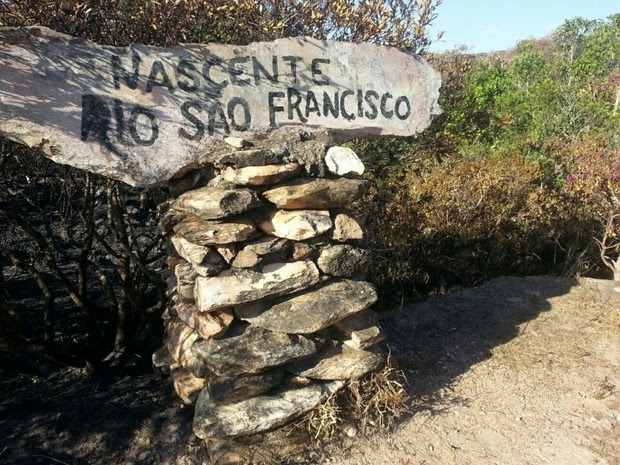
[269,315]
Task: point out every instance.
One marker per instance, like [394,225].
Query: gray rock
[309,193]
[226,389]
[364,338]
[248,350]
[244,158]
[342,161]
[203,232]
[338,362]
[258,414]
[262,251]
[162,358]
[94,85]
[343,260]
[213,203]
[310,155]
[310,311]
[236,286]
[360,330]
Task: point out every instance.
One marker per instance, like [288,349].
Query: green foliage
[516,102]
[519,174]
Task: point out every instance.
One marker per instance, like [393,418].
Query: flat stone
[365,338]
[203,232]
[360,330]
[185,384]
[338,362]
[343,260]
[192,253]
[118,122]
[297,225]
[312,310]
[209,325]
[248,350]
[204,260]
[343,161]
[260,175]
[258,414]
[213,203]
[244,158]
[237,142]
[262,251]
[308,193]
[226,389]
[346,227]
[237,286]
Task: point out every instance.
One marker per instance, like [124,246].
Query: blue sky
[486,25]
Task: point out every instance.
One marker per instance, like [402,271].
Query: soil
[516,371]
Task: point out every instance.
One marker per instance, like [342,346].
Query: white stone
[297,225]
[238,286]
[343,161]
[237,142]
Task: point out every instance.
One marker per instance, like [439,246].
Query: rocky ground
[517,371]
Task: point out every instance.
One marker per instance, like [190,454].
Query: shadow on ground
[64,419]
[435,341]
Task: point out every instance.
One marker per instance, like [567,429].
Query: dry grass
[324,420]
[374,401]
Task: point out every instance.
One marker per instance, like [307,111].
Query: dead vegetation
[369,404]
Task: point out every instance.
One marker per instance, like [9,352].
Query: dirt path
[519,371]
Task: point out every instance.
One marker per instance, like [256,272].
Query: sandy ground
[517,371]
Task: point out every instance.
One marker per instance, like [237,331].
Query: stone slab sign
[143,114]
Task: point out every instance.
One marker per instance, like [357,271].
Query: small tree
[595,177]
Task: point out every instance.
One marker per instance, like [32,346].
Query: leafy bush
[465,222]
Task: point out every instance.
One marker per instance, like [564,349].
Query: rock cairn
[269,315]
